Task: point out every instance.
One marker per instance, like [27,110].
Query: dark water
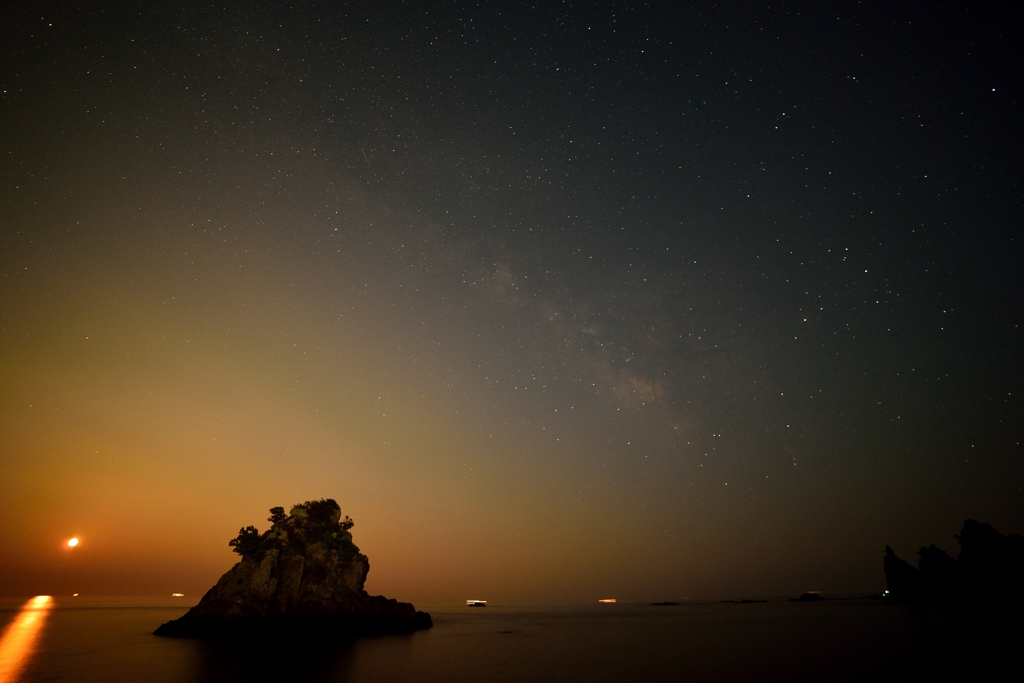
[835,640]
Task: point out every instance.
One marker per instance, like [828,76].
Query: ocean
[109,639]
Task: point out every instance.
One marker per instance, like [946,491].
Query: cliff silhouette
[303,573]
[986,573]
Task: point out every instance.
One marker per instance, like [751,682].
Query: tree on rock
[277,515]
[248,542]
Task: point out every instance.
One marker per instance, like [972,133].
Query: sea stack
[303,574]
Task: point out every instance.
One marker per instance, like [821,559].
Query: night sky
[560,301]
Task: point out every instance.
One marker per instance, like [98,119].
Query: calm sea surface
[94,639]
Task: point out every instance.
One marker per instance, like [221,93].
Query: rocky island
[303,574]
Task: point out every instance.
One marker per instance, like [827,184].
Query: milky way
[556,301]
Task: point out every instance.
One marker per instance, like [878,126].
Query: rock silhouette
[809,596]
[303,573]
[988,569]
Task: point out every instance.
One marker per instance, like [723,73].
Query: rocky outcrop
[901,579]
[303,573]
[988,570]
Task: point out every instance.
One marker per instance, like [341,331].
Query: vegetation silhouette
[248,543]
[985,576]
[277,515]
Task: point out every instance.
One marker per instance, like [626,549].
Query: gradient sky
[559,301]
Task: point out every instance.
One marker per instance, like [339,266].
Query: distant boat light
[177,595]
[607,600]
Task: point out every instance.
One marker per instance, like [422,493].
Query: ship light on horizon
[607,600]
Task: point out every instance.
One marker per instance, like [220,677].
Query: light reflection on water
[92,640]
[21,637]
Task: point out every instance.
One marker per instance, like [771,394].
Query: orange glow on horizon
[21,637]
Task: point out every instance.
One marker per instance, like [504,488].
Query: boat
[476,603]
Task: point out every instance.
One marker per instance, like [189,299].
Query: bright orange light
[73,542]
[20,639]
